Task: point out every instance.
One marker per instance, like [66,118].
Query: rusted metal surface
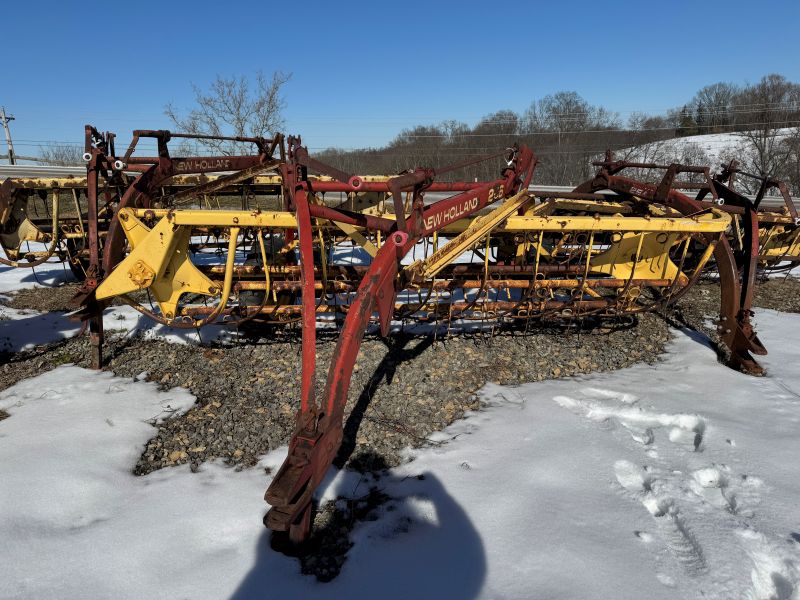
[263,246]
[737,277]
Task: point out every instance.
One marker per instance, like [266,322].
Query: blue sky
[362,71]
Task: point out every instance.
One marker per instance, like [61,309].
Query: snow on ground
[716,146]
[22,329]
[677,480]
[48,274]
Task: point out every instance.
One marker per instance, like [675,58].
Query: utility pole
[11,157]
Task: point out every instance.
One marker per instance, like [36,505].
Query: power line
[789,124]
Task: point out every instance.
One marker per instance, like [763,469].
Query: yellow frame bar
[711,222]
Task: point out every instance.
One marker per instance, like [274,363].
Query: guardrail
[59,171]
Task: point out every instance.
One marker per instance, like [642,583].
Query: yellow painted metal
[265,264]
[27,231]
[714,221]
[176,181]
[640,256]
[477,230]
[48,183]
[779,241]
[218,218]
[159,260]
[134,229]
[179,277]
[141,274]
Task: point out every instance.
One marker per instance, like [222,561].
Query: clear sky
[362,71]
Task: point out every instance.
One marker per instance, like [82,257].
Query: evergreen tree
[686,123]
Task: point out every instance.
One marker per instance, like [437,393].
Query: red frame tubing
[316,441]
[94,273]
[381,186]
[736,294]
[309,316]
[742,334]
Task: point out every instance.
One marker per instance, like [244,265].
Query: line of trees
[567,133]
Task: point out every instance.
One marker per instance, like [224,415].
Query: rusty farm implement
[778,230]
[370,252]
[46,212]
[277,238]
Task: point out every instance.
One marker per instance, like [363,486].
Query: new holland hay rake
[52,212]
[495,253]
[277,245]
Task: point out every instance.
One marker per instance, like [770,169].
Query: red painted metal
[351,218]
[94,272]
[737,278]
[318,433]
[382,186]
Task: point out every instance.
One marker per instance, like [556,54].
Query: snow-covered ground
[678,480]
[22,329]
[48,274]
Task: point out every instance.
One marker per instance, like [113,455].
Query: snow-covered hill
[711,149]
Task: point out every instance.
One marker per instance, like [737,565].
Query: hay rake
[35,211]
[778,230]
[281,238]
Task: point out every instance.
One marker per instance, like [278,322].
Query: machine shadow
[35,330]
[419,543]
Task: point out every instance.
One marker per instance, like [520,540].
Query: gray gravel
[781,294]
[402,389]
[48,299]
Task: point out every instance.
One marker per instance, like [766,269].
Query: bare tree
[713,107]
[768,111]
[233,106]
[643,131]
[568,133]
[493,133]
[791,173]
[62,155]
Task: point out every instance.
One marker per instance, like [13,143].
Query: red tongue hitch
[318,433]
